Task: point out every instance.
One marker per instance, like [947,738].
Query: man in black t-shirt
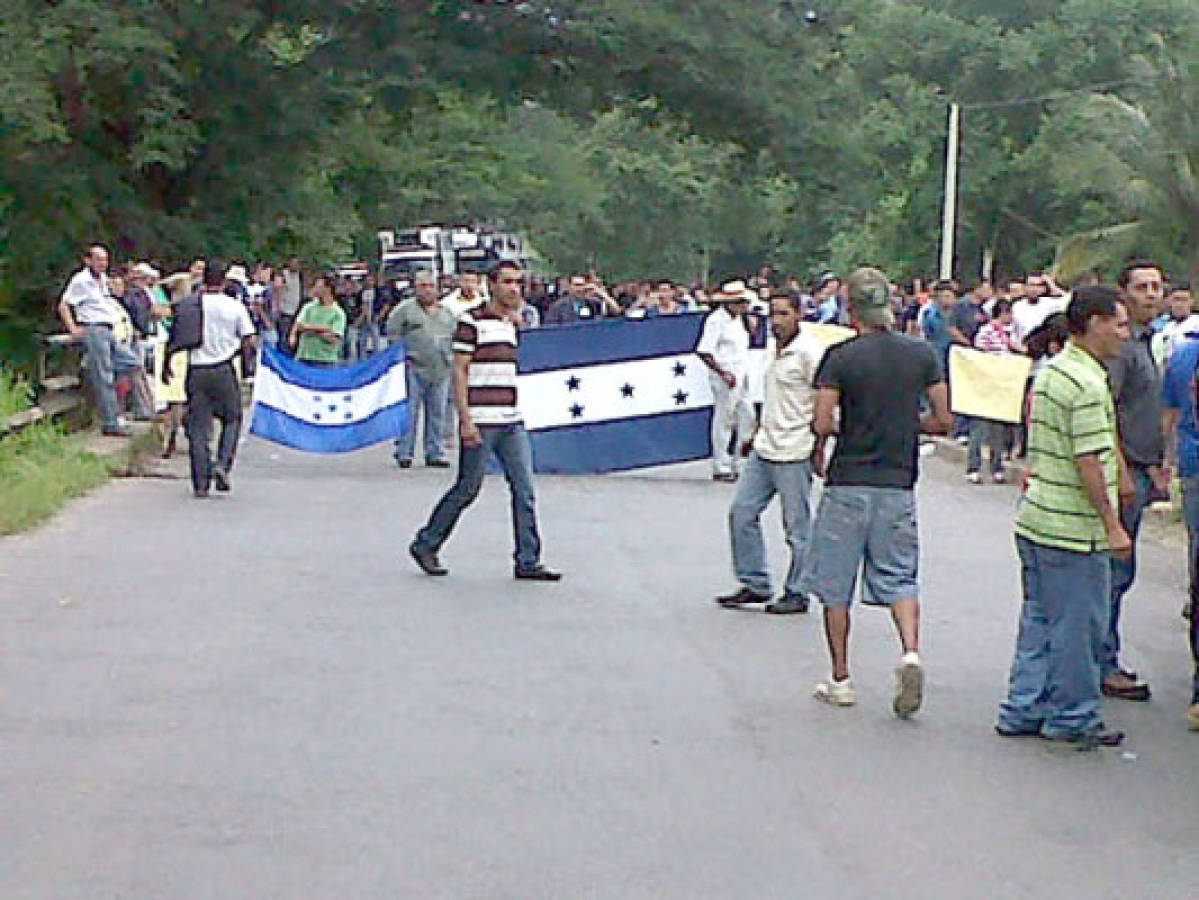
[867,514]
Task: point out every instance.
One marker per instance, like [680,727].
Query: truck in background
[445,250]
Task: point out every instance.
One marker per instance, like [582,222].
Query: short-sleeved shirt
[226,322]
[1178,392]
[785,434]
[880,377]
[1072,415]
[726,339]
[90,300]
[427,334]
[491,341]
[1028,317]
[1136,386]
[934,325]
[968,317]
[313,347]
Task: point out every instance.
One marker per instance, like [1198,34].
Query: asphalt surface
[259,696]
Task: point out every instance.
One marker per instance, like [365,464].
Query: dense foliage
[680,137]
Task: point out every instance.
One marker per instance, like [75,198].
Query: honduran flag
[610,396]
[330,410]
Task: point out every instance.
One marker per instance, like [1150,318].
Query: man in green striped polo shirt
[1067,529]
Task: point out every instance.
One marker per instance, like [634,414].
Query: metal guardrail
[58,395]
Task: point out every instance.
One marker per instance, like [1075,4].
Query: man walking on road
[427,328]
[485,343]
[779,463]
[212,388]
[1136,386]
[867,515]
[1067,531]
[724,348]
[1179,419]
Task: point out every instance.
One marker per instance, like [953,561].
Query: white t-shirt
[1027,317]
[1167,339]
[725,338]
[89,299]
[785,434]
[226,322]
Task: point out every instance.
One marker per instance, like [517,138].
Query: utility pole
[949,216]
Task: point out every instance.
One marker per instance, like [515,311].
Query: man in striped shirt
[1067,530]
[489,420]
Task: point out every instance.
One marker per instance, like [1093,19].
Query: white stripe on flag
[329,407]
[620,390]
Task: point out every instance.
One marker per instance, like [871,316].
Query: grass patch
[15,394]
[41,468]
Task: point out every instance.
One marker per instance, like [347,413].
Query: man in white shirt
[90,313]
[779,463]
[212,387]
[724,348]
[1042,298]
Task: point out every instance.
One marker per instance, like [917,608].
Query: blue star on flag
[576,411]
[680,369]
[680,398]
[573,382]
[627,391]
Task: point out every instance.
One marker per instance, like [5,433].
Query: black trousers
[212,392]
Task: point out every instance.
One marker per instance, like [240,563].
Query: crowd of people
[1110,417]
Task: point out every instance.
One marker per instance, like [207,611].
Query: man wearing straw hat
[724,348]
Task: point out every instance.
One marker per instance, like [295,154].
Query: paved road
[257,696]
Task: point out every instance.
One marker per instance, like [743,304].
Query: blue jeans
[1053,688]
[106,358]
[430,396]
[871,531]
[1124,571]
[510,444]
[1190,514]
[760,481]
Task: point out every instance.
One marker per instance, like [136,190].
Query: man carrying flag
[490,420]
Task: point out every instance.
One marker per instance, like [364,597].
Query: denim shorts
[868,528]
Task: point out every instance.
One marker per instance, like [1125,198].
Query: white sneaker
[962,439]
[909,686]
[999,478]
[836,693]
[974,478]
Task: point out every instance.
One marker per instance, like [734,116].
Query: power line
[1059,95]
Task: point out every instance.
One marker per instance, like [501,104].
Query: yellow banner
[988,385]
[827,335]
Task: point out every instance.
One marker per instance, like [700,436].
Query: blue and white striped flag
[609,396]
[330,410]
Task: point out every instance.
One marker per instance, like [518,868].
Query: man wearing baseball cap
[867,515]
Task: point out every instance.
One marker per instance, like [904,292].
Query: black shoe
[725,477]
[1092,740]
[740,597]
[438,464]
[1138,692]
[117,431]
[404,463]
[787,605]
[1017,732]
[427,560]
[537,573]
[220,478]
